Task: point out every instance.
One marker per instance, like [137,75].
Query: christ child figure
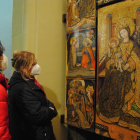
[115,54]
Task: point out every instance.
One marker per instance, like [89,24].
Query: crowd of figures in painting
[80,101]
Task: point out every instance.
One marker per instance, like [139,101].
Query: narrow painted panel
[81,63]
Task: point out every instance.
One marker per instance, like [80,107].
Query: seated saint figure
[119,96]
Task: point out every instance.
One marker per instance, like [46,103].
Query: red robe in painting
[88,58]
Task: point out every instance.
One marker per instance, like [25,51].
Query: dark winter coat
[29,113]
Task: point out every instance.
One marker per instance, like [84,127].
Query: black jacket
[29,113]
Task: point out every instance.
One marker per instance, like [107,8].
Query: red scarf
[37,84]
[3,81]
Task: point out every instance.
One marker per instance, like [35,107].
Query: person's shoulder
[17,89]
[20,85]
[3,94]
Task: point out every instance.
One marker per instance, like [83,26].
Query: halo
[72,82]
[73,38]
[114,38]
[123,23]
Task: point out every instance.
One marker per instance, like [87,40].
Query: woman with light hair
[30,111]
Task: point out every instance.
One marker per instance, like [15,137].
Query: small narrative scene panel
[118,93]
[81,53]
[105,2]
[79,110]
[80,14]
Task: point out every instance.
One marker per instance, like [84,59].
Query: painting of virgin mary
[118,96]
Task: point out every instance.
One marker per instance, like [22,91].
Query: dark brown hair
[1,49]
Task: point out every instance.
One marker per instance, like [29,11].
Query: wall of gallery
[38,27]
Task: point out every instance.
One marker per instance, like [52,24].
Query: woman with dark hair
[4,120]
[30,112]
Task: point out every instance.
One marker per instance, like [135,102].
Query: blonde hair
[22,59]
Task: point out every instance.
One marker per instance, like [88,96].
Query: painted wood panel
[117,97]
